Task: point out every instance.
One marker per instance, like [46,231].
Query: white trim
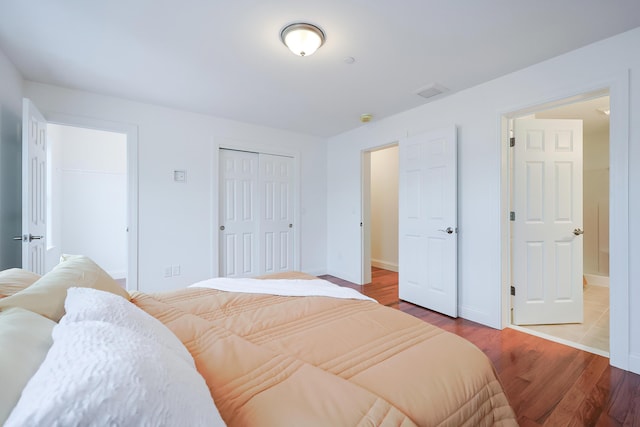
[560,340]
[617,86]
[233,144]
[131,130]
[391,266]
[596,280]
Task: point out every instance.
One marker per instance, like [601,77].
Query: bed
[278,360]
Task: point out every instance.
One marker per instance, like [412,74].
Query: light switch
[180,175]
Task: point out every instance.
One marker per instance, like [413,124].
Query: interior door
[239,213]
[547,230]
[34,175]
[428,221]
[276,218]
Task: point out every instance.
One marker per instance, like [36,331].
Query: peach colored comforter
[318,361]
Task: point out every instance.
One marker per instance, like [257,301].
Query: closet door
[256,230]
[239,217]
[276,214]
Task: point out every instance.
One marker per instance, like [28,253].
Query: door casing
[617,87]
[132,180]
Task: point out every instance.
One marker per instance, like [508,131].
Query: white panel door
[276,213]
[547,231]
[428,260]
[34,175]
[239,214]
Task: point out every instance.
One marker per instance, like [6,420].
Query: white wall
[384,208]
[175,219]
[477,112]
[10,164]
[596,203]
[91,195]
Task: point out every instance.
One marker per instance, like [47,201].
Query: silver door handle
[28,238]
[448,230]
[222,228]
[578,231]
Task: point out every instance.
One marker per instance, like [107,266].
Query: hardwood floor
[548,384]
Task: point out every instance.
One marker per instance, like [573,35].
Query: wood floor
[548,384]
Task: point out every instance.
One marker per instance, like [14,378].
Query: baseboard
[316,272]
[343,276]
[634,363]
[384,265]
[596,280]
[477,316]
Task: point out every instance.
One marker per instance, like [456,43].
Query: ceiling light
[302,39]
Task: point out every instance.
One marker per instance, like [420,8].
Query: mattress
[317,361]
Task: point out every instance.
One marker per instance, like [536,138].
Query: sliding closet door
[276,211]
[256,231]
[239,214]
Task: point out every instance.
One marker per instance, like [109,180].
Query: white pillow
[100,374]
[91,304]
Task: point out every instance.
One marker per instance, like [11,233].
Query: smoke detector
[432,90]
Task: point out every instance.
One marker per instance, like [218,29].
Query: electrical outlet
[175,270]
[167,271]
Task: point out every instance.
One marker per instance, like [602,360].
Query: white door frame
[231,144]
[365,209]
[617,87]
[132,179]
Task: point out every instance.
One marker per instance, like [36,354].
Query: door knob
[448,230]
[222,228]
[578,231]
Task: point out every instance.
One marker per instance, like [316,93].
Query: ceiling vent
[432,90]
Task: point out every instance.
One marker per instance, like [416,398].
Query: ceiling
[225,58]
[591,112]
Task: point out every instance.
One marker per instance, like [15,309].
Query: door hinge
[512,216]
[512,142]
[513,291]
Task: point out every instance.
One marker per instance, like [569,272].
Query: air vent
[432,90]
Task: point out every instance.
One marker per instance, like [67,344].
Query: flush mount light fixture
[302,39]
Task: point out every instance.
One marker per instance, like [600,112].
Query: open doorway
[87,197]
[380,210]
[591,330]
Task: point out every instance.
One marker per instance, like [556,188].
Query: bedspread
[304,361]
